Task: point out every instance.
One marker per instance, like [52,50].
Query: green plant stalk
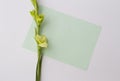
[38,18]
[39,65]
[39,61]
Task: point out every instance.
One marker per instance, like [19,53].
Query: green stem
[38,29]
[39,65]
[37,32]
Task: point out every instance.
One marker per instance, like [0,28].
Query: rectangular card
[71,41]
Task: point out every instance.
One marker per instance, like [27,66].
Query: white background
[18,64]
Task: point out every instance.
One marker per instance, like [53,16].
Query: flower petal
[33,13]
[39,19]
[43,38]
[38,38]
[43,45]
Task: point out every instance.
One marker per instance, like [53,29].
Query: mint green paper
[71,41]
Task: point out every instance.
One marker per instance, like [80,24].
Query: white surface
[18,64]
